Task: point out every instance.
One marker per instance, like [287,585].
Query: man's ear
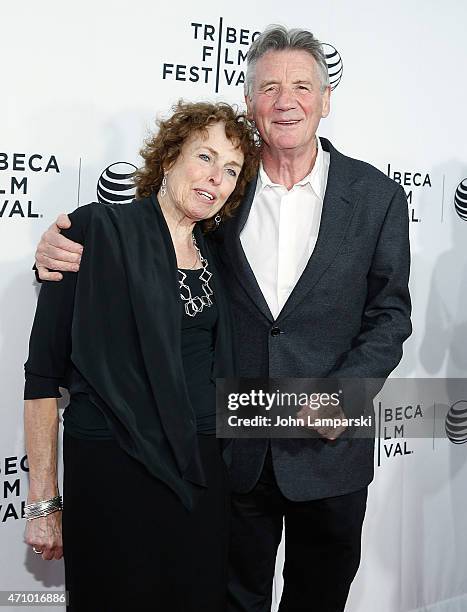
[249,107]
[326,102]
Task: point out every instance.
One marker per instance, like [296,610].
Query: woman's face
[204,174]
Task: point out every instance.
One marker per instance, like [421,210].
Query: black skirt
[130,544]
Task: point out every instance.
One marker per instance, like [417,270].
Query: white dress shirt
[280,233]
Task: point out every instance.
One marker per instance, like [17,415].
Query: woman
[138,337]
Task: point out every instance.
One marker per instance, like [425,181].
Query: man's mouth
[290,122]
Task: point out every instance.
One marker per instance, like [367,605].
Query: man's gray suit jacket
[347,316]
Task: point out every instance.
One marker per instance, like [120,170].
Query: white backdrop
[80,86]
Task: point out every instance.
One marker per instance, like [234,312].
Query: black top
[124,347]
[82,418]
[198,333]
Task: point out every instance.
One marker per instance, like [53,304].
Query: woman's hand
[45,534]
[40,436]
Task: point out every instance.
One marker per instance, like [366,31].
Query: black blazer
[347,316]
[126,336]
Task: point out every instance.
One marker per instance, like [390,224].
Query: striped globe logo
[115,184]
[335,64]
[460,199]
[456,422]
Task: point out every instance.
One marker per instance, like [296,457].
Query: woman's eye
[204,156]
[232,172]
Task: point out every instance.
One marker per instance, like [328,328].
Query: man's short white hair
[278,38]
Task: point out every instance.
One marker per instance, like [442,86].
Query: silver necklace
[194,305]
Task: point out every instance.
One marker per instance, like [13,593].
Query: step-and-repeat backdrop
[82,84]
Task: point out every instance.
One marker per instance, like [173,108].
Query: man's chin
[287,143]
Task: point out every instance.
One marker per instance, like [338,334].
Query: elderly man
[317,260]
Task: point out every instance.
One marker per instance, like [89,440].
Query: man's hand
[55,252]
[329,432]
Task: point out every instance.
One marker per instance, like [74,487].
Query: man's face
[287,102]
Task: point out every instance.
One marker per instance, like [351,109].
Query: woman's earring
[163,189]
[218,220]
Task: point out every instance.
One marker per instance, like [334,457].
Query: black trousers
[322,548]
[130,544]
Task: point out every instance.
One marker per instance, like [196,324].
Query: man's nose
[285,99]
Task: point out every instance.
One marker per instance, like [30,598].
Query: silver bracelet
[43,508]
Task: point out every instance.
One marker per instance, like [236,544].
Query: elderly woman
[138,337]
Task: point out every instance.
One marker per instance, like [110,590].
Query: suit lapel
[338,207]
[237,261]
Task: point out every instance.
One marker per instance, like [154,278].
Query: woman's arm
[41,435]
[46,370]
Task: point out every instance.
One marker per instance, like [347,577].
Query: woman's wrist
[40,492]
[43,508]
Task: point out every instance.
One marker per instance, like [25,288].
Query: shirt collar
[315,178]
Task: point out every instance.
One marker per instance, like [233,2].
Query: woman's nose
[216,176]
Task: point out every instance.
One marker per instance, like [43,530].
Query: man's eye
[204,157]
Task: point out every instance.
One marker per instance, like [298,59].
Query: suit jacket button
[275,331]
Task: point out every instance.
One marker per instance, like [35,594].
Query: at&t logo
[460,200]
[335,64]
[115,184]
[456,422]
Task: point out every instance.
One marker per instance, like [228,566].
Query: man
[317,260]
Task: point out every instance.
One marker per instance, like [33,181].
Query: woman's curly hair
[162,149]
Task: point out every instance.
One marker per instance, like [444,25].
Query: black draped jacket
[125,337]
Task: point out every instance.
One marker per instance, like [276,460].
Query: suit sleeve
[377,349]
[50,340]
